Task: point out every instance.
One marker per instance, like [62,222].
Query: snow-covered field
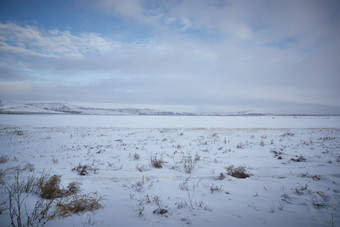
[293,163]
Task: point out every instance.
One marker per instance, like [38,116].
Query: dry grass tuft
[84,169]
[72,188]
[18,132]
[301,189]
[237,172]
[2,174]
[287,134]
[30,167]
[50,188]
[3,159]
[17,192]
[45,206]
[141,168]
[222,176]
[136,156]
[298,159]
[157,163]
[160,211]
[240,146]
[188,164]
[277,154]
[78,204]
[215,188]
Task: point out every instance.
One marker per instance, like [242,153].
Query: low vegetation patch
[188,164]
[50,188]
[298,159]
[301,189]
[18,132]
[3,159]
[214,188]
[160,209]
[2,174]
[277,154]
[237,172]
[156,162]
[240,146]
[287,134]
[52,200]
[78,204]
[17,192]
[84,169]
[314,177]
[141,168]
[221,177]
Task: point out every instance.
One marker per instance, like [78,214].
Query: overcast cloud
[273,56]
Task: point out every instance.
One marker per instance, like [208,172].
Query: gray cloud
[257,54]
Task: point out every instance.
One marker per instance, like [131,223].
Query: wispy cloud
[32,41]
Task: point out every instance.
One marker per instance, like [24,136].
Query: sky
[278,56]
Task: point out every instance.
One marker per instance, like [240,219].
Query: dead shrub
[160,211]
[287,134]
[17,193]
[50,188]
[30,167]
[72,188]
[136,156]
[286,198]
[184,186]
[221,177]
[215,188]
[197,157]
[320,200]
[31,185]
[141,168]
[277,154]
[84,169]
[3,159]
[2,174]
[157,163]
[78,204]
[327,138]
[314,177]
[2,207]
[298,159]
[41,209]
[301,189]
[18,132]
[237,172]
[188,164]
[240,146]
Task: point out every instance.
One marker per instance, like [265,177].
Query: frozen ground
[294,167]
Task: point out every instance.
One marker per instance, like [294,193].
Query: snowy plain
[293,163]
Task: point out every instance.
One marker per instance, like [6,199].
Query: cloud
[32,41]
[9,74]
[218,53]
[132,10]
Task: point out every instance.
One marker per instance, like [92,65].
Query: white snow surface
[12,107]
[279,191]
[170,121]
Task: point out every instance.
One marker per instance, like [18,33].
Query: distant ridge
[8,107]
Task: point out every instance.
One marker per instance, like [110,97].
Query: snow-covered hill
[7,107]
[12,107]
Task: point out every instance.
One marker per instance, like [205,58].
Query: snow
[12,107]
[170,121]
[269,197]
